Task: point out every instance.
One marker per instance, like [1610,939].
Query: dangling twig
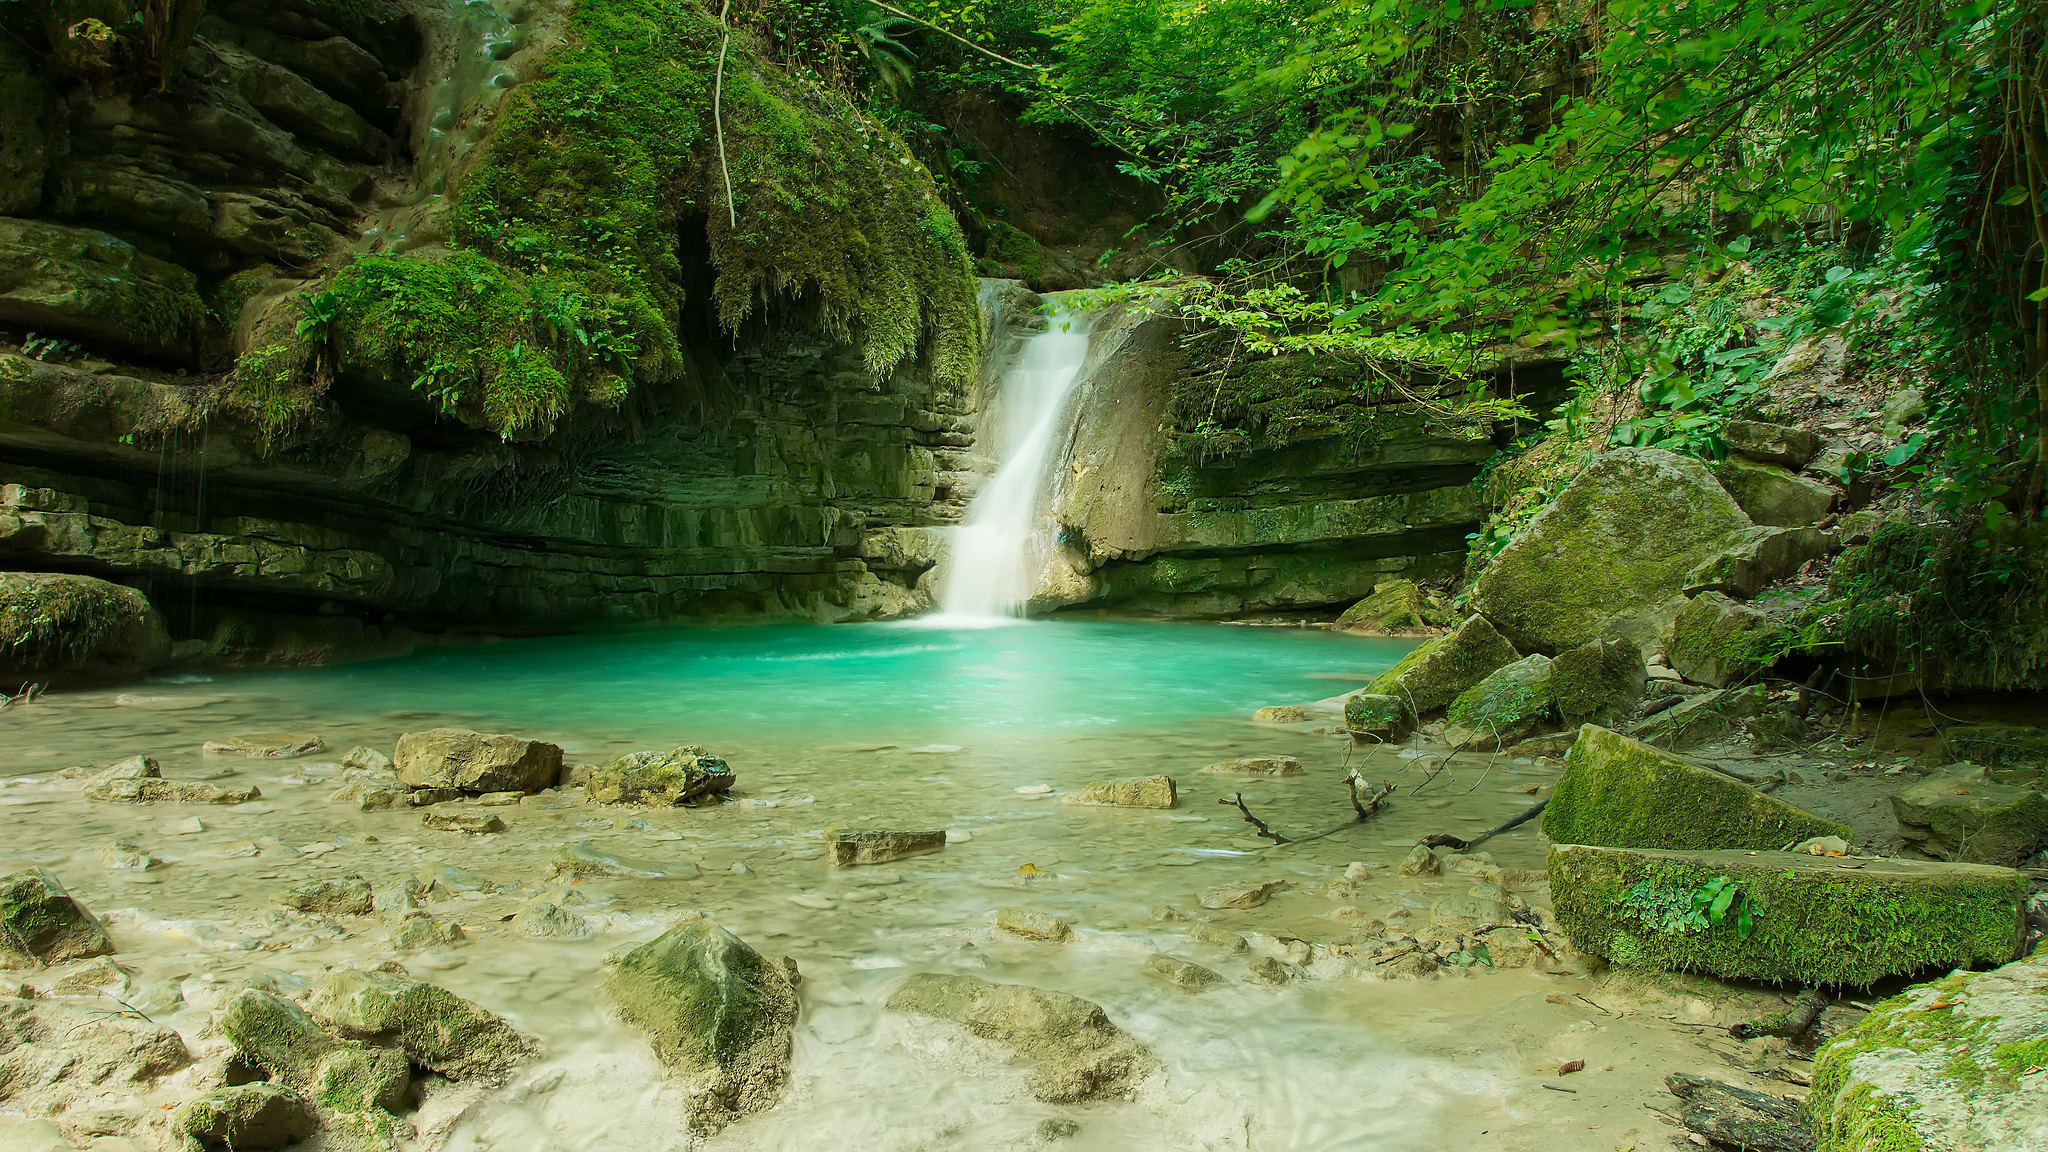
[718,113]
[1261,825]
[1456,844]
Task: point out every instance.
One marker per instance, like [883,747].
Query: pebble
[956,836]
[813,900]
[1034,789]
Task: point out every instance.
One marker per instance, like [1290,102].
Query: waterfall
[1000,548]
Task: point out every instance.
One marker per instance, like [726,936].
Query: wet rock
[159,791]
[1133,792]
[1960,814]
[547,920]
[848,849]
[1703,719]
[1075,1052]
[1599,682]
[54,1054]
[254,1116]
[580,859]
[1773,495]
[1432,675]
[266,746]
[1033,925]
[436,1029]
[1281,714]
[1610,557]
[371,795]
[347,896]
[1955,1063]
[1243,894]
[40,923]
[399,898]
[419,932]
[1378,719]
[662,779]
[281,1038]
[476,762]
[1268,970]
[94,977]
[366,759]
[1511,702]
[1395,608]
[1420,861]
[1716,641]
[1217,936]
[475,823]
[427,797]
[1182,973]
[128,856]
[448,879]
[500,799]
[1771,443]
[65,627]
[717,1013]
[133,768]
[1256,766]
[1623,793]
[1813,919]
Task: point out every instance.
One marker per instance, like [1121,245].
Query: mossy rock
[1075,1052]
[77,627]
[1813,919]
[98,289]
[1955,1063]
[1513,701]
[1960,814]
[1612,555]
[718,1014]
[1378,718]
[1599,682]
[40,923]
[662,779]
[340,1075]
[1432,675]
[1998,745]
[1622,793]
[1771,443]
[1395,608]
[436,1029]
[245,1116]
[1703,719]
[1716,641]
[1773,495]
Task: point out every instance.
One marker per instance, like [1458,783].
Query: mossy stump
[1622,793]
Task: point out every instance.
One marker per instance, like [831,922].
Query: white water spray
[1002,545]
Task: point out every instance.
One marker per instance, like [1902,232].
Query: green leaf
[2014,195]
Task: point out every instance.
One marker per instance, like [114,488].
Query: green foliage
[44,624]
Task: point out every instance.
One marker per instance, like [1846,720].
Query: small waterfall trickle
[1001,546]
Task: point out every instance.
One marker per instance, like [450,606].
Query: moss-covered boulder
[1955,1063]
[1716,641]
[435,1028]
[1960,814]
[1395,608]
[1771,443]
[1622,793]
[1810,919]
[476,762]
[661,779]
[1378,719]
[1433,674]
[1075,1052]
[1757,559]
[1611,556]
[1704,718]
[340,1075]
[1513,701]
[98,288]
[719,1014]
[40,923]
[245,1116]
[1599,682]
[54,625]
[1773,495]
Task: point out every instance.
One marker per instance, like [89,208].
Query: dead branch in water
[1264,829]
[1370,806]
[1456,844]
[1790,1024]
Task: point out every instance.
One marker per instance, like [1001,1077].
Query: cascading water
[1001,547]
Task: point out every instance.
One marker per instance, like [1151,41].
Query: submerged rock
[1622,793]
[662,779]
[154,790]
[371,795]
[278,1036]
[40,923]
[717,1013]
[345,896]
[580,859]
[1599,682]
[53,1053]
[1812,919]
[848,849]
[266,746]
[1256,766]
[363,758]
[1734,1117]
[419,931]
[1377,718]
[476,762]
[1182,973]
[1033,925]
[546,919]
[476,823]
[1133,792]
[1281,714]
[1420,861]
[1956,1063]
[1075,1052]
[437,1029]
[1959,814]
[1703,719]
[128,856]
[1243,894]
[1511,702]
[253,1116]
[1432,675]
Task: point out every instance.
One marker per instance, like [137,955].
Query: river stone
[1772,495]
[265,746]
[1420,861]
[1256,766]
[437,1029]
[1378,718]
[133,768]
[1817,919]
[662,779]
[1075,1052]
[52,1052]
[281,1038]
[363,758]
[1182,973]
[1623,793]
[128,856]
[1716,641]
[419,932]
[581,859]
[1960,814]
[1734,1117]
[1395,608]
[158,791]
[1281,714]
[1599,682]
[1703,719]
[478,823]
[1513,701]
[1133,792]
[475,762]
[1243,894]
[371,795]
[41,923]
[1771,443]
[542,918]
[1611,555]
[717,1013]
[428,797]
[56,625]
[1033,925]
[347,896]
[1950,1064]
[399,898]
[1432,675]
[847,849]
[254,1116]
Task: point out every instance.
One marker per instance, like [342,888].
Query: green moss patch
[1813,919]
[1432,675]
[1622,793]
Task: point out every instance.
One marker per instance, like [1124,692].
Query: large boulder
[1432,675]
[1623,793]
[1395,608]
[1599,682]
[245,1116]
[1704,718]
[437,1029]
[1759,558]
[1378,719]
[1788,916]
[660,779]
[720,1015]
[1074,1051]
[40,923]
[1960,814]
[1773,495]
[475,762]
[1955,1063]
[1612,555]
[99,289]
[54,625]
[1513,701]
[1716,641]
[1771,443]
